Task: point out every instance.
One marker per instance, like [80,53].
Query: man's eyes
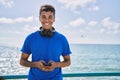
[50,17]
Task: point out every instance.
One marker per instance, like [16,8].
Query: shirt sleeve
[26,46]
[66,47]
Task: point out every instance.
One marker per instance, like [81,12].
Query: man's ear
[54,20]
[39,18]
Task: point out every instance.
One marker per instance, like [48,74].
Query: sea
[85,58]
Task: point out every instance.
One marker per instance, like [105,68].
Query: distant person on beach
[45,47]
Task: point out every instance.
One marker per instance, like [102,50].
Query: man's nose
[47,20]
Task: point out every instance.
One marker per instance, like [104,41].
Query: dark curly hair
[47,8]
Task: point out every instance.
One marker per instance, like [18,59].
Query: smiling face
[47,19]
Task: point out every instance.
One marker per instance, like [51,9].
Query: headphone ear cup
[46,33]
[41,33]
[49,33]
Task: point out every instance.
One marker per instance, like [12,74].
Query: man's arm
[24,61]
[65,63]
[38,64]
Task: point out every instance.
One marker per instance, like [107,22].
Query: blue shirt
[46,48]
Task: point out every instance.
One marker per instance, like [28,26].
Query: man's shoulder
[33,34]
[60,35]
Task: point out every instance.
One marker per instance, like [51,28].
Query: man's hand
[42,65]
[51,65]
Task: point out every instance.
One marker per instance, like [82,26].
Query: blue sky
[81,21]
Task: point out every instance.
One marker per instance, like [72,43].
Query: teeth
[46,24]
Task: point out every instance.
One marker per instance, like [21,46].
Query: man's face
[47,19]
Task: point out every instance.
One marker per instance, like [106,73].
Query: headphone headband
[53,29]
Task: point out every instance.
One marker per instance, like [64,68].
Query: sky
[81,21]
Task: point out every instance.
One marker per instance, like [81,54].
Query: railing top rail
[66,75]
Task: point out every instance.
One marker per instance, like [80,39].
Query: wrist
[35,64]
[58,64]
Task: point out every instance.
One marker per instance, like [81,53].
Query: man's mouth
[46,24]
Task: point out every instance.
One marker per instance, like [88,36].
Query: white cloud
[92,23]
[17,20]
[73,4]
[107,26]
[110,24]
[13,32]
[102,30]
[77,22]
[7,3]
[95,8]
[6,20]
[28,28]
[21,19]
[116,32]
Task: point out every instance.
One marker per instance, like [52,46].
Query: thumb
[51,61]
[42,61]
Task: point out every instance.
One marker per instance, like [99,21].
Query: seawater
[84,58]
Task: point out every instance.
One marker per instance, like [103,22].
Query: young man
[46,46]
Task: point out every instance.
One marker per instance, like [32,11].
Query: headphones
[47,32]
